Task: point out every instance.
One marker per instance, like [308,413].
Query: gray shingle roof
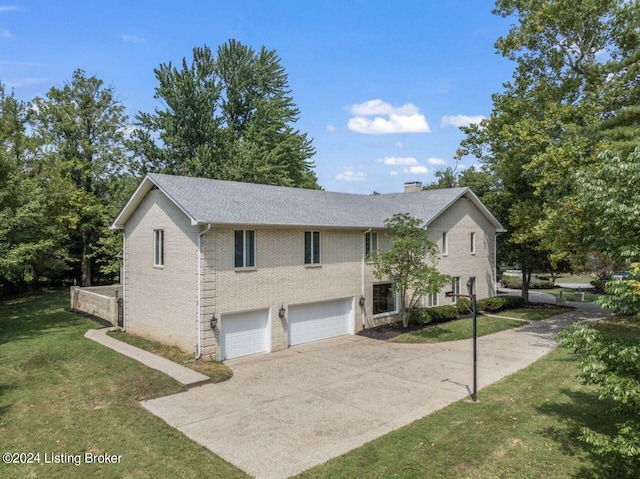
[226,202]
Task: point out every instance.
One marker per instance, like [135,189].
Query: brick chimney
[412,186]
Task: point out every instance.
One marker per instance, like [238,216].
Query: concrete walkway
[284,412]
[186,376]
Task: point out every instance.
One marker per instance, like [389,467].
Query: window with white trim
[311,247]
[158,247]
[455,289]
[473,243]
[445,244]
[384,298]
[245,248]
[370,242]
[472,282]
[432,300]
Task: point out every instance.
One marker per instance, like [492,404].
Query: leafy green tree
[80,132]
[31,244]
[410,264]
[544,124]
[613,366]
[227,116]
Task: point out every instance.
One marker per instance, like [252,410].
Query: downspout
[362,307]
[124,281]
[199,345]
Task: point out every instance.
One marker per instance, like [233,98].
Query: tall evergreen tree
[228,117]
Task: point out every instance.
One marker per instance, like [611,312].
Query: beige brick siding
[161,302]
[460,220]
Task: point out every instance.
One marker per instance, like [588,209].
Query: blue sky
[381,85]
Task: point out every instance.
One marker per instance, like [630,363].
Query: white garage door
[244,333]
[323,320]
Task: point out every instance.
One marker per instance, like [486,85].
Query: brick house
[227,269]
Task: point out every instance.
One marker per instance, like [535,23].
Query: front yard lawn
[463,328]
[568,294]
[61,393]
[525,426]
[456,330]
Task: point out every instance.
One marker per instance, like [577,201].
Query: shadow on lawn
[586,410]
[34,316]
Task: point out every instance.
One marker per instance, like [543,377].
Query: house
[228,269]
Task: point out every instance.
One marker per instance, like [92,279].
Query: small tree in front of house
[410,263]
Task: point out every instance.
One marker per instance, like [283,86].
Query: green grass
[62,393]
[532,314]
[572,279]
[216,370]
[525,426]
[568,294]
[456,330]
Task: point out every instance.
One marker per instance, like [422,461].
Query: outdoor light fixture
[281,312]
[361,301]
[214,321]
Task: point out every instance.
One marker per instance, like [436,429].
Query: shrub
[440,314]
[436,314]
[463,305]
[599,285]
[500,303]
[515,282]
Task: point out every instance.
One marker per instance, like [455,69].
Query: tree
[31,244]
[227,117]
[410,264]
[613,366]
[544,124]
[79,129]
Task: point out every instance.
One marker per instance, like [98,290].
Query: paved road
[285,412]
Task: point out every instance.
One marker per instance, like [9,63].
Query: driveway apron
[284,412]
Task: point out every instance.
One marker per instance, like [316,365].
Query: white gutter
[364,242]
[123,280]
[199,344]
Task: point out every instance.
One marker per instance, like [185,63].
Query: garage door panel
[317,321]
[244,333]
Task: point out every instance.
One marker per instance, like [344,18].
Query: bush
[436,314]
[599,285]
[463,305]
[500,303]
[515,282]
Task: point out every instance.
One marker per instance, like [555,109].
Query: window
[384,298]
[473,243]
[472,282]
[445,245]
[245,249]
[455,288]
[158,247]
[311,247]
[432,300]
[370,242]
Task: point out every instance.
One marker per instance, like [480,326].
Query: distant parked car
[620,275]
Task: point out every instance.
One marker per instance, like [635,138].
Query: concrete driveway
[285,412]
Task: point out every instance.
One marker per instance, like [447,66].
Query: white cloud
[4,33]
[394,173]
[9,8]
[331,128]
[399,144]
[436,161]
[132,38]
[396,160]
[379,107]
[350,175]
[417,170]
[460,120]
[394,124]
[386,118]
